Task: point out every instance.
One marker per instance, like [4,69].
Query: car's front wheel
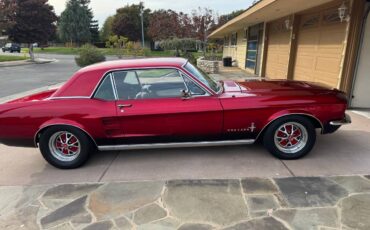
[290,137]
[65,147]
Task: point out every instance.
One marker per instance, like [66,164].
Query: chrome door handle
[124,106]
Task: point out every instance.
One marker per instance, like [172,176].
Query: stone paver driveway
[253,203]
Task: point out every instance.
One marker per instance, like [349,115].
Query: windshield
[203,77]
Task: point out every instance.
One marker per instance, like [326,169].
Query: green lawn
[106,51]
[4,58]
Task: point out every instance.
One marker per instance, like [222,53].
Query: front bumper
[345,121]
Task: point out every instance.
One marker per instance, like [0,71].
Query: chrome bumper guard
[345,121]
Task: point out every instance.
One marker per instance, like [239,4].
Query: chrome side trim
[174,145]
[47,126]
[345,121]
[114,88]
[71,97]
[290,114]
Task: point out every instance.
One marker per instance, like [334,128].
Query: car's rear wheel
[290,137]
[65,147]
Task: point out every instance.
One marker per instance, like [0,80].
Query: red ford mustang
[167,102]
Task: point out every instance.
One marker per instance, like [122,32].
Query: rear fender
[61,122]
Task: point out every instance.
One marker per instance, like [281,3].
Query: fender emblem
[251,128]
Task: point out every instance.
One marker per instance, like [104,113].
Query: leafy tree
[7,13]
[223,19]
[203,21]
[33,21]
[118,44]
[127,21]
[122,46]
[94,24]
[179,44]
[164,24]
[74,23]
[106,30]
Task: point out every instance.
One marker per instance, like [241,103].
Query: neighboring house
[322,41]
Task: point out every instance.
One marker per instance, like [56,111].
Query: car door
[151,108]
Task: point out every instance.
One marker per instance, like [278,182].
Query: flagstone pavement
[317,203]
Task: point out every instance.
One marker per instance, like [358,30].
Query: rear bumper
[345,121]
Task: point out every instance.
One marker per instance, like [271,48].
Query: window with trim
[105,90]
[149,84]
[234,39]
[194,89]
[252,47]
[226,41]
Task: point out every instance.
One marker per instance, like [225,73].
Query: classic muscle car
[168,102]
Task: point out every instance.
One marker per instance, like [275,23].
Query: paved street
[238,204]
[18,79]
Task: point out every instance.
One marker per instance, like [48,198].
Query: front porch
[233,73]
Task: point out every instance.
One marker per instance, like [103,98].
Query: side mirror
[185,94]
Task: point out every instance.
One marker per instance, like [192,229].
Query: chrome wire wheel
[291,137]
[64,146]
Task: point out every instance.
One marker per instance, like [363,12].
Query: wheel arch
[65,124]
[314,120]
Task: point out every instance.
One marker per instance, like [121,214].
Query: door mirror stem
[185,95]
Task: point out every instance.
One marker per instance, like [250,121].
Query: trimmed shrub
[88,55]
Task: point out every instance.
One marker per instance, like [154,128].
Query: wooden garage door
[278,50]
[320,48]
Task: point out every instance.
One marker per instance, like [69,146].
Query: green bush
[89,54]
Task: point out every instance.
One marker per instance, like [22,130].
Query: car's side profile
[11,47]
[168,102]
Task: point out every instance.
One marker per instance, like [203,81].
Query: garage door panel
[328,65]
[320,47]
[278,50]
[306,62]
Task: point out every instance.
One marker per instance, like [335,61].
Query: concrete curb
[30,92]
[25,62]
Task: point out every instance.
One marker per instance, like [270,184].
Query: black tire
[86,147]
[297,151]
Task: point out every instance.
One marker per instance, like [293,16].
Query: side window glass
[105,90]
[160,83]
[127,84]
[194,89]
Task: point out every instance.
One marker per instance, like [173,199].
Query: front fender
[290,112]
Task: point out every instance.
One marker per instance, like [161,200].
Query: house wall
[238,51]
[241,49]
[324,52]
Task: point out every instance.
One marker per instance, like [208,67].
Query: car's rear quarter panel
[21,121]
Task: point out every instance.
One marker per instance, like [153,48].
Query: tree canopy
[34,22]
[106,30]
[127,21]
[74,23]
[164,24]
[7,14]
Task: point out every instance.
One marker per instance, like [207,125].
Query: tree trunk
[32,56]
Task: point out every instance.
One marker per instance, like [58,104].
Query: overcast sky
[104,8]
